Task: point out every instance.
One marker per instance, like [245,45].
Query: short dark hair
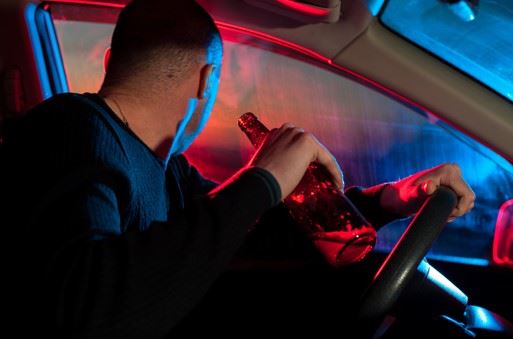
[160,39]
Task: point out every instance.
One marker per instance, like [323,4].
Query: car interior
[391,87]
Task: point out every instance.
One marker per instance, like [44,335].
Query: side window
[374,137]
[84,34]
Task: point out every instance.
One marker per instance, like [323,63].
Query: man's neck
[152,123]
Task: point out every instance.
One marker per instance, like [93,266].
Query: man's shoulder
[69,108]
[71,123]
[72,110]
[181,168]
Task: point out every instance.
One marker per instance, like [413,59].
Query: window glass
[375,138]
[474,36]
[84,34]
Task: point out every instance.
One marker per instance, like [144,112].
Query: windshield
[473,36]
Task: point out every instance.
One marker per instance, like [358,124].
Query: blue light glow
[44,80]
[443,257]
[462,10]
[460,260]
[54,63]
[477,40]
[485,320]
[375,6]
[184,138]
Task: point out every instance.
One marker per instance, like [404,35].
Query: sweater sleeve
[141,284]
[367,202]
[365,199]
[196,181]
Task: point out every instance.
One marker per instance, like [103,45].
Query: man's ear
[106,59]
[205,75]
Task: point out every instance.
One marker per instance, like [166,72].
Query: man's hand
[406,196]
[287,152]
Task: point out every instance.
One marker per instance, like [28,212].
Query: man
[114,234]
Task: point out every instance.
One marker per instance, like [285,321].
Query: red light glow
[273,39]
[304,8]
[503,238]
[89,3]
[106,59]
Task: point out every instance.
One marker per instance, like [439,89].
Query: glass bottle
[338,230]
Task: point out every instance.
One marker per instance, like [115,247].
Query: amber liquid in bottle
[336,227]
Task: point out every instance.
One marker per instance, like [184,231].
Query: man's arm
[140,284]
[196,181]
[386,202]
[366,200]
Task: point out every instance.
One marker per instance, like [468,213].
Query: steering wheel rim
[401,263]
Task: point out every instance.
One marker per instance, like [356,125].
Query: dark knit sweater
[105,240]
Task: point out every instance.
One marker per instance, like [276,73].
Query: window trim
[52,51]
[46,49]
[38,51]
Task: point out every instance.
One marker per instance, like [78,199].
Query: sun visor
[311,11]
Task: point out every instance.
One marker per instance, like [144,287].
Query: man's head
[164,49]
[156,41]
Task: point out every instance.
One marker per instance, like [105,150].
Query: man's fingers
[271,136]
[286,126]
[413,190]
[431,186]
[285,134]
[450,175]
[465,194]
[428,182]
[427,187]
[288,151]
[463,207]
[326,159]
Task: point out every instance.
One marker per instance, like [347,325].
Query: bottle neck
[253,128]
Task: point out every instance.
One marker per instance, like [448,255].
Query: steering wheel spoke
[401,264]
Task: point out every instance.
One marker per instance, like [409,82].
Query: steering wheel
[401,264]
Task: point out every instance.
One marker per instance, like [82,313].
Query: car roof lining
[431,84]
